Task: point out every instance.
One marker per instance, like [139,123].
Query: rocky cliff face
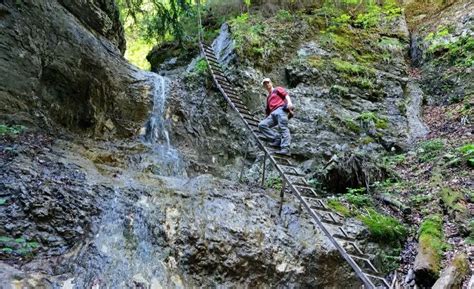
[61,64]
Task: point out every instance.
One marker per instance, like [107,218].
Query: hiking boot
[283,151]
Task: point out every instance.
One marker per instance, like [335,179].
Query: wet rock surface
[100,222]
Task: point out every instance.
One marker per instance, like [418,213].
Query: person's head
[267,84]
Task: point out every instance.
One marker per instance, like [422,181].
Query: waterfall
[125,250]
[165,158]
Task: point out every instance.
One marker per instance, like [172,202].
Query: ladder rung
[384,281]
[367,261]
[242,106]
[329,218]
[218,72]
[280,161]
[221,77]
[235,100]
[209,49]
[210,52]
[250,120]
[249,117]
[213,60]
[343,235]
[357,249]
[214,64]
[294,174]
[249,114]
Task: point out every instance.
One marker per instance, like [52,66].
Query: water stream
[125,251]
[165,158]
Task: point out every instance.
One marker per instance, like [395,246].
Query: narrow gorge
[116,176]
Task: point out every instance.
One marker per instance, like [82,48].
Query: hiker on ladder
[279,109]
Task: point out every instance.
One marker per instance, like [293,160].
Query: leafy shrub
[11,130]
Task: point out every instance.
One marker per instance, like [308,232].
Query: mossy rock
[430,249]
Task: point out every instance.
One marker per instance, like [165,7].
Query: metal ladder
[330,222]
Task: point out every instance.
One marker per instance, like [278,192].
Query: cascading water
[125,251]
[165,160]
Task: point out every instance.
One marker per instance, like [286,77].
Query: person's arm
[289,104]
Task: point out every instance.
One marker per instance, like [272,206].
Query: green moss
[363,82]
[383,228]
[418,200]
[431,239]
[349,68]
[352,125]
[367,140]
[379,122]
[460,262]
[468,153]
[316,61]
[451,200]
[339,207]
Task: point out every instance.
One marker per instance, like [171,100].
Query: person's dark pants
[279,118]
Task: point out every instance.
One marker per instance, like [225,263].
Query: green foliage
[369,19]
[274,182]
[356,197]
[468,153]
[158,19]
[383,228]
[363,82]
[11,129]
[352,125]
[18,246]
[342,19]
[349,68]
[284,16]
[459,52]
[470,238]
[430,149]
[136,52]
[3,201]
[418,200]
[393,160]
[379,122]
[200,68]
